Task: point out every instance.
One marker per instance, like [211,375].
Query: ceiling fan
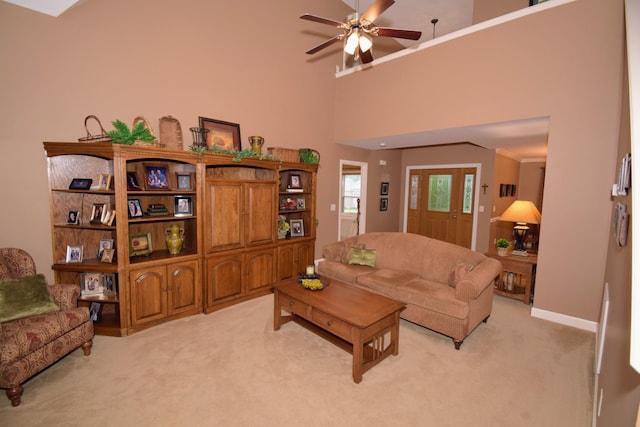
[358,31]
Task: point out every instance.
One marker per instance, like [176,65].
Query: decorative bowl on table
[313,282]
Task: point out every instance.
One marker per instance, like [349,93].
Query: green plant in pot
[503,246]
[283,227]
[307,155]
[123,135]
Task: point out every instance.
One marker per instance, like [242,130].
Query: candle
[310,270]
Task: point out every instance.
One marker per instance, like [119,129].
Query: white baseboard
[563,319]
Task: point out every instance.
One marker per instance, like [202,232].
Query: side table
[518,276]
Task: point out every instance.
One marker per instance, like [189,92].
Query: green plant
[247,153]
[122,134]
[283,225]
[308,156]
[503,243]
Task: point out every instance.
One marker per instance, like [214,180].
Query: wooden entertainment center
[231,251]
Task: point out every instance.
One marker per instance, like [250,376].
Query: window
[350,193]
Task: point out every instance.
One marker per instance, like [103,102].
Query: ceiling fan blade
[365,57]
[325,44]
[321,20]
[376,10]
[397,33]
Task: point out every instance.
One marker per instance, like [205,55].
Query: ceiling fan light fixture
[352,42]
[365,43]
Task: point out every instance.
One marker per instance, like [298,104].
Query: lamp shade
[522,211]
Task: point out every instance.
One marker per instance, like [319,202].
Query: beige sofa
[447,288]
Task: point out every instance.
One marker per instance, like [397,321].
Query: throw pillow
[362,257]
[346,253]
[458,272]
[25,297]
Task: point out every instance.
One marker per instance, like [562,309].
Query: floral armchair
[32,339]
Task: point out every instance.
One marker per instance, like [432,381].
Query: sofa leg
[86,347]
[485,319]
[15,394]
[457,343]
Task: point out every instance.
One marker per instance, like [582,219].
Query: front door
[441,204]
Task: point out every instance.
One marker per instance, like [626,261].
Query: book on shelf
[294,190]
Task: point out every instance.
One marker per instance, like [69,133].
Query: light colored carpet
[230,368]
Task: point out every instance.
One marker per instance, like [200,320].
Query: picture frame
[107,255]
[384,188]
[80,184]
[95,311]
[222,135]
[98,211]
[91,284]
[300,204]
[184,181]
[104,244]
[73,217]
[74,253]
[140,244]
[133,183]
[183,206]
[295,181]
[384,203]
[111,284]
[135,210]
[297,227]
[112,218]
[105,181]
[156,176]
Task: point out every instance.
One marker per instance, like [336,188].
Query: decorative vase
[175,239]
[199,136]
[282,234]
[256,143]
[503,251]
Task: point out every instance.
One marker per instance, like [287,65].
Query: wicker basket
[285,154]
[155,144]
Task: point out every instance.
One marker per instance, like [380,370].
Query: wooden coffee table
[354,319]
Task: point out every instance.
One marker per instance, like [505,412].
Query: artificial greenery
[308,156]
[503,243]
[237,155]
[122,134]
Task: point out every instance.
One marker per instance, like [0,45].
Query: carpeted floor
[230,368]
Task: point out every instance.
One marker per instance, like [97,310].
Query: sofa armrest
[65,295]
[333,251]
[478,279]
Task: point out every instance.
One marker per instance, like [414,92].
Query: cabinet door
[223,223]
[148,295]
[260,269]
[224,278]
[303,256]
[286,262]
[184,286]
[260,209]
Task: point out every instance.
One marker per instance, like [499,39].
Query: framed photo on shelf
[95,311]
[107,255]
[104,244]
[91,284]
[184,181]
[384,188]
[133,183]
[112,218]
[295,182]
[80,184]
[74,253]
[140,244]
[97,212]
[105,181]
[183,206]
[156,177]
[222,135]
[297,227]
[110,285]
[135,210]
[384,203]
[300,203]
[73,217]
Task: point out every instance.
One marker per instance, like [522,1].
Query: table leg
[277,313]
[395,334]
[357,357]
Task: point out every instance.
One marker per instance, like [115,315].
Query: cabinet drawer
[331,324]
[294,306]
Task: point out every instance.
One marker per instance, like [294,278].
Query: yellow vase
[175,239]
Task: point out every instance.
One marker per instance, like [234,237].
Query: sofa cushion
[458,272]
[342,272]
[362,257]
[380,279]
[25,297]
[346,250]
[432,296]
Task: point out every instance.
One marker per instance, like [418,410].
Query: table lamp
[522,212]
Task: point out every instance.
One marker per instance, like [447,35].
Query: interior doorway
[352,212]
[441,203]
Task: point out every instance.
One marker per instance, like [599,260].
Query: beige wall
[531,182]
[570,72]
[507,171]
[487,9]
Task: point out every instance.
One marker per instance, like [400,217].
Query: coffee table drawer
[294,306]
[331,324]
